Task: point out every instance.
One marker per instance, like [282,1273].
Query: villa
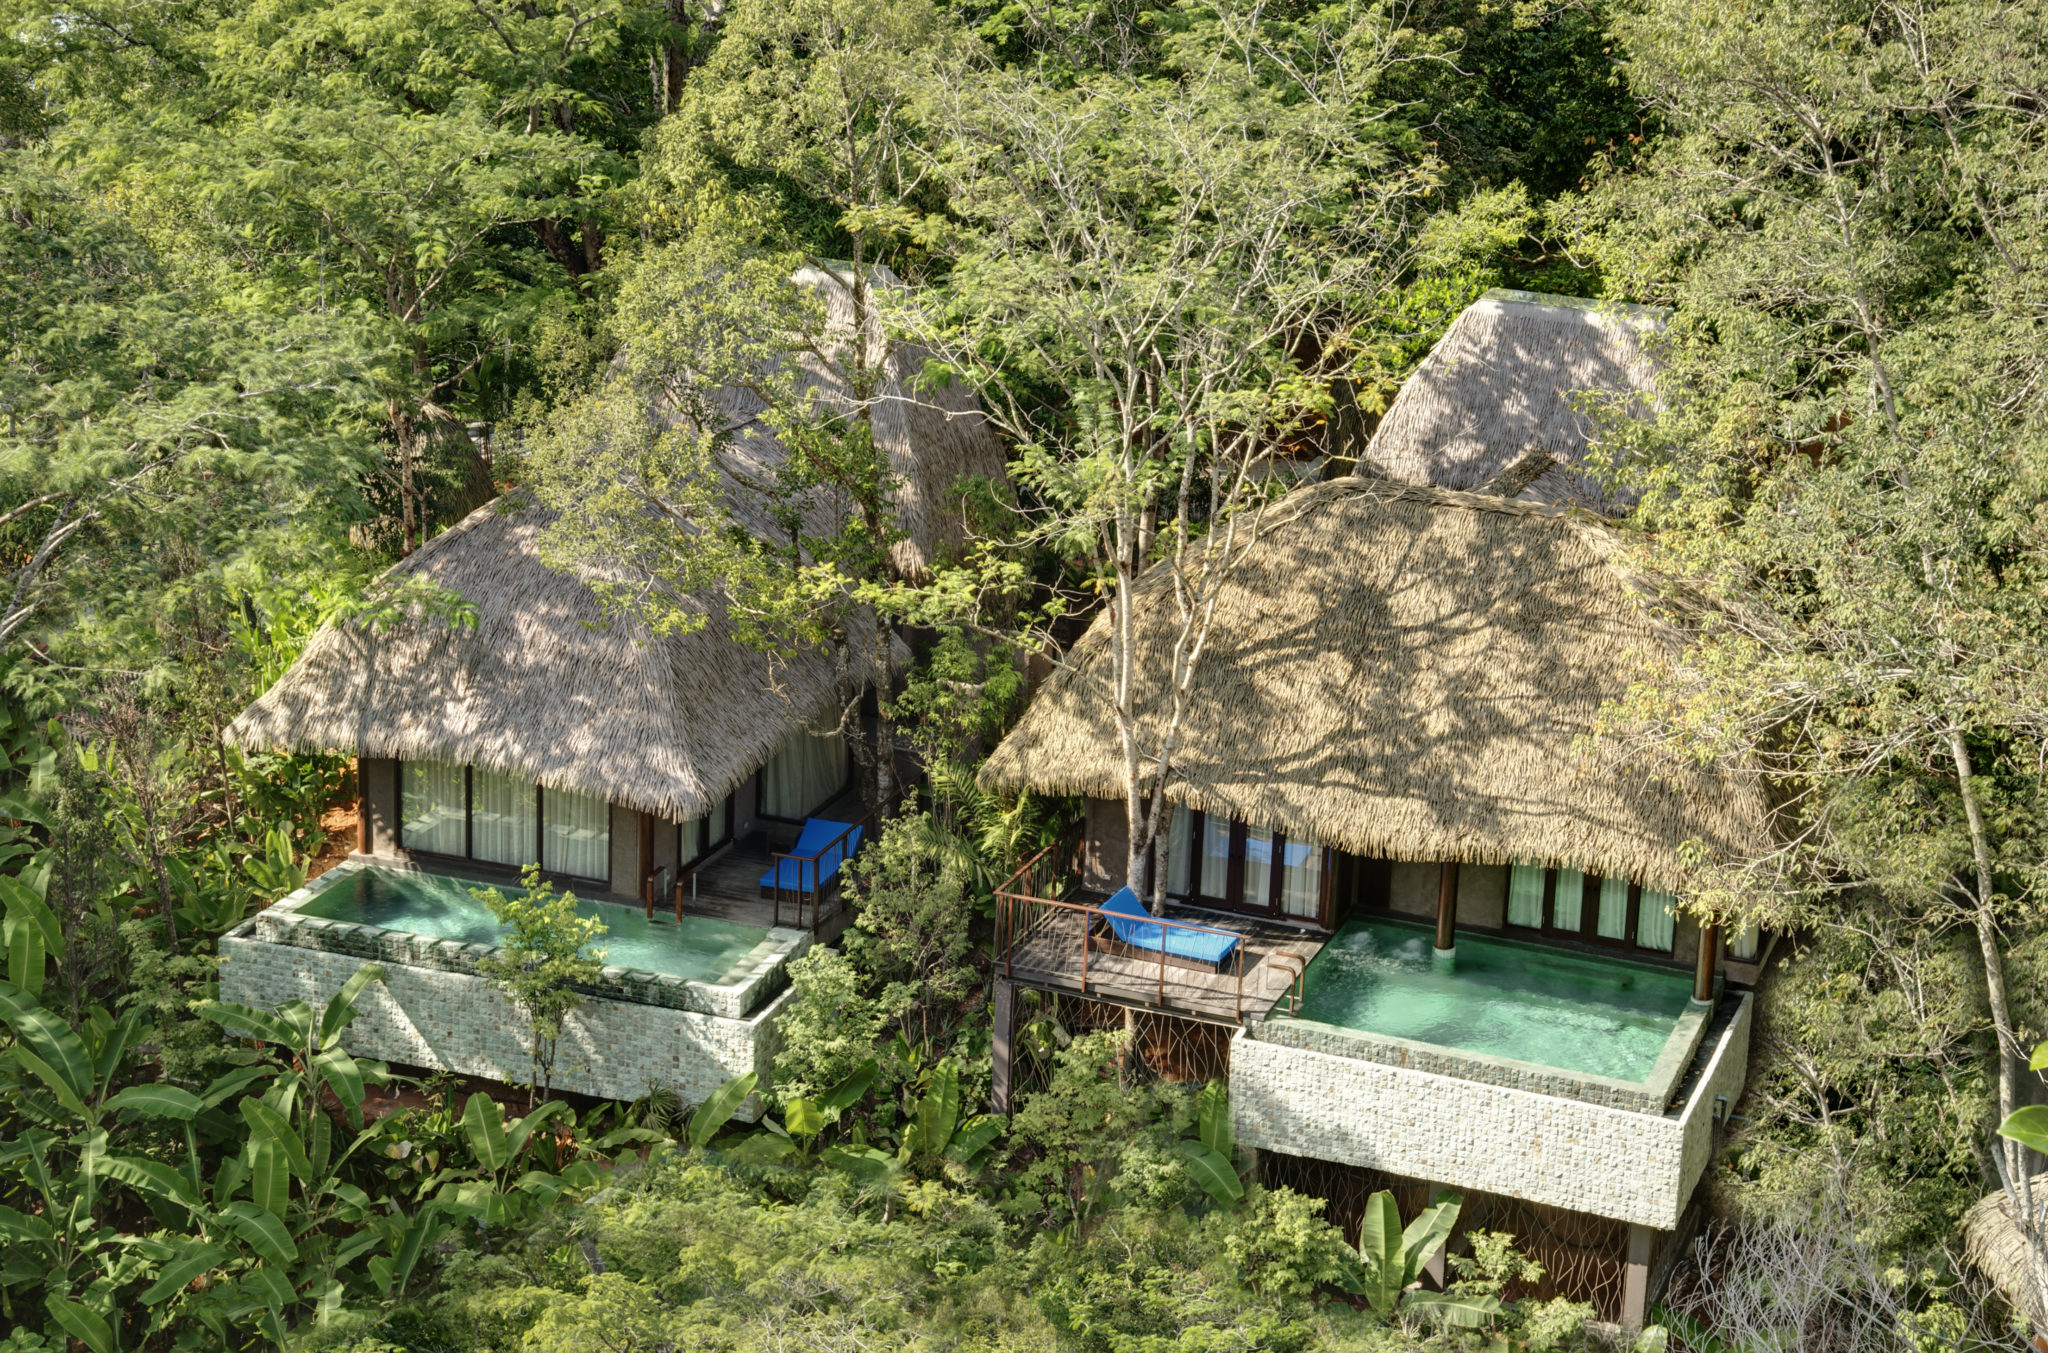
[1426,925]
[694,792]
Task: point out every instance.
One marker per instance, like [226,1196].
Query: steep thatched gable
[542,686]
[1406,673]
[1499,385]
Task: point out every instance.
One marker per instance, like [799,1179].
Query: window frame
[705,845]
[1234,871]
[1588,930]
[468,855]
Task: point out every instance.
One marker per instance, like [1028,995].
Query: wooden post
[1635,1281]
[363,841]
[646,826]
[1001,1065]
[1447,906]
[1703,970]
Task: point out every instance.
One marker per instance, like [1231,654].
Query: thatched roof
[543,686]
[1405,672]
[935,437]
[1499,384]
[1994,1244]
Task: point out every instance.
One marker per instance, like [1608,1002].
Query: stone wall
[1633,1167]
[455,1021]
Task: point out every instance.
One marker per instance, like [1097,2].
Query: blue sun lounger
[821,839]
[1134,928]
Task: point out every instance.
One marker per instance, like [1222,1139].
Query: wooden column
[1635,1281]
[1447,905]
[1003,1048]
[1703,970]
[646,830]
[363,841]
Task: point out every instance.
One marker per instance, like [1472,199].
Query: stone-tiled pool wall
[1613,1162]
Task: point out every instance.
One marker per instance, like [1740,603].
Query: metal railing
[1022,916]
[819,882]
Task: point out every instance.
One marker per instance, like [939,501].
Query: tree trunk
[1986,922]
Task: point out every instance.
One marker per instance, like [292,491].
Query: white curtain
[575,834]
[1744,944]
[1177,851]
[501,818]
[689,840]
[1215,855]
[1657,919]
[1301,879]
[1525,896]
[1571,896]
[1258,867]
[805,773]
[719,825]
[1612,922]
[432,806]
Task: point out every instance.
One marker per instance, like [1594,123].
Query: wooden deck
[728,888]
[1049,957]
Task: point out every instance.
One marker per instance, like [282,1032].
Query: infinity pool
[696,948]
[1499,998]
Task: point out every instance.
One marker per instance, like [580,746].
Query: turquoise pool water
[1602,1017]
[696,948]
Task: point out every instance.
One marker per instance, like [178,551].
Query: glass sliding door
[575,834]
[1527,884]
[1612,921]
[501,819]
[1301,880]
[805,774]
[1214,861]
[433,810]
[1656,920]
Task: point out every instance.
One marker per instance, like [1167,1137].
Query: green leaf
[275,1287]
[194,1258]
[803,1118]
[847,1093]
[241,1019]
[21,900]
[1379,1250]
[516,1134]
[29,1230]
[342,1008]
[81,1324]
[261,1231]
[2028,1127]
[149,1176]
[483,1124]
[48,1048]
[1455,1311]
[2039,1061]
[233,1083]
[1426,1235]
[345,1078]
[1212,1119]
[1216,1175]
[974,1137]
[940,1109]
[867,1166]
[760,1148]
[157,1101]
[269,1177]
[266,1122]
[25,957]
[716,1111]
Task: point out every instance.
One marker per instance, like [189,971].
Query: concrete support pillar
[1703,968]
[1003,1048]
[1635,1283]
[1446,906]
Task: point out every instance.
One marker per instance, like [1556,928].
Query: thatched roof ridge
[1407,673]
[1500,383]
[543,685]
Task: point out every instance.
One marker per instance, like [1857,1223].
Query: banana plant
[2029,1126]
[504,1182]
[1391,1261]
[1207,1155]
[31,933]
[936,1128]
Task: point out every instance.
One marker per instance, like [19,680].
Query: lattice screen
[1168,1047]
[1584,1258]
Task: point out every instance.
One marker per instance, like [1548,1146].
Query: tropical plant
[1391,1260]
[1207,1154]
[541,960]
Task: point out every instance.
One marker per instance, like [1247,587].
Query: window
[702,835]
[1217,862]
[575,834]
[501,819]
[434,807]
[472,813]
[1745,943]
[1577,905]
[806,773]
